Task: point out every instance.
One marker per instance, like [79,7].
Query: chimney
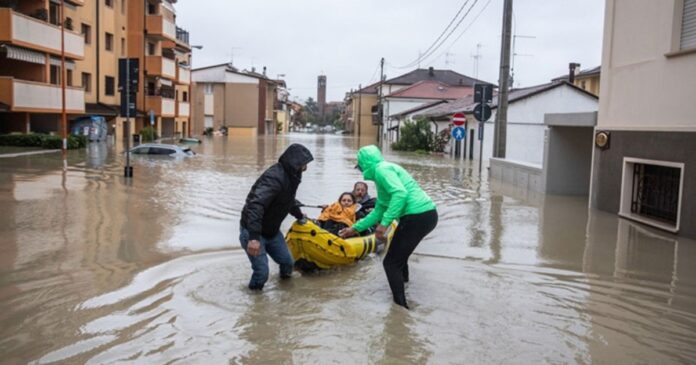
[431,71]
[253,69]
[264,70]
[572,68]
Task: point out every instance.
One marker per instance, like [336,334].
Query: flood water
[94,269]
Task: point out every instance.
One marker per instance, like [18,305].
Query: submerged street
[94,269]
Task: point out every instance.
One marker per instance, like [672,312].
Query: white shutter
[688,33]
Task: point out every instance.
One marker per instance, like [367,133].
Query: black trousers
[411,230]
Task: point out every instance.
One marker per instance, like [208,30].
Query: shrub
[441,140]
[415,136]
[41,140]
[148,134]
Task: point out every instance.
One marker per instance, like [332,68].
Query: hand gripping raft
[314,248]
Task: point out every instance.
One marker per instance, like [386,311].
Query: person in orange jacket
[338,215]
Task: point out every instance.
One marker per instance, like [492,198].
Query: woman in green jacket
[398,198]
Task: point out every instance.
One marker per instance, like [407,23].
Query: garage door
[167,127]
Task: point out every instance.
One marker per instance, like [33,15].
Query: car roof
[172,146]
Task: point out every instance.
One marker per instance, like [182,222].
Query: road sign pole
[482,126]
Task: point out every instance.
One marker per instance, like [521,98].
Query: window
[87,82]
[651,192]
[87,33]
[68,77]
[54,13]
[123,6]
[185,96]
[208,89]
[109,85]
[109,3]
[151,9]
[109,41]
[55,75]
[688,31]
[151,49]
[123,46]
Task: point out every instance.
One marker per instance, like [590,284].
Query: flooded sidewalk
[94,269]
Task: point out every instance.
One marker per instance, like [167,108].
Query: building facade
[97,35]
[644,159]
[244,102]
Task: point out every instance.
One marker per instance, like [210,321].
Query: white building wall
[642,87]
[526,129]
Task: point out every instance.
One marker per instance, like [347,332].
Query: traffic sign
[458,133]
[482,112]
[459,119]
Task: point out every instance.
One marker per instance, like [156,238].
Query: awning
[165,82]
[69,65]
[101,109]
[23,54]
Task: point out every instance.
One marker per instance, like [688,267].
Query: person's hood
[368,158]
[294,157]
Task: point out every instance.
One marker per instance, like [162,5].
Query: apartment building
[644,158]
[30,66]
[97,34]
[244,102]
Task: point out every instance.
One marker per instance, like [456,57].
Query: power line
[420,55]
[459,23]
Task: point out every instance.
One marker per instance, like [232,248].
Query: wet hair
[347,193]
[360,183]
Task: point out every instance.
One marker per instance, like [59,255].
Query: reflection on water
[94,269]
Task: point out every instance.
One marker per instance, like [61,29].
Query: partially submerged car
[161,150]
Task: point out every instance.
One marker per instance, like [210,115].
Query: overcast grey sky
[345,39]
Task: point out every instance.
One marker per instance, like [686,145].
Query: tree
[415,136]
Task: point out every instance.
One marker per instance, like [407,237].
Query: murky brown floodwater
[96,270]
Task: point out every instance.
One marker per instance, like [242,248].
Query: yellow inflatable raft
[314,248]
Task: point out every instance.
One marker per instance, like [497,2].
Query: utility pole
[380,110]
[500,132]
[64,116]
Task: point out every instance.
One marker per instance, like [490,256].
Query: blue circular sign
[458,133]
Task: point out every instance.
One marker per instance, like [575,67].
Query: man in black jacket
[270,200]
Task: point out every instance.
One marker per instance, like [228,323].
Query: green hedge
[41,140]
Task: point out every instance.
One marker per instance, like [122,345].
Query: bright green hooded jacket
[398,194]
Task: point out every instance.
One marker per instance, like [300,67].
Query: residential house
[526,112]
[242,101]
[98,34]
[587,79]
[644,155]
[422,93]
[360,112]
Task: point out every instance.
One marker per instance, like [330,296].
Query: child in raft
[338,215]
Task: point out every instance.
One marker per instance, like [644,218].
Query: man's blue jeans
[274,247]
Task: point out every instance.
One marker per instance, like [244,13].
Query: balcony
[24,31]
[184,76]
[160,66]
[37,97]
[160,27]
[184,109]
[163,107]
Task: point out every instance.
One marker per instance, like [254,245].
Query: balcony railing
[37,97]
[25,31]
[158,26]
[160,106]
[160,66]
[182,35]
[184,109]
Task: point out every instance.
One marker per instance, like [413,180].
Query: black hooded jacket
[272,196]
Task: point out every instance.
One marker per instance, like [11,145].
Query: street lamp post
[190,122]
[64,116]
